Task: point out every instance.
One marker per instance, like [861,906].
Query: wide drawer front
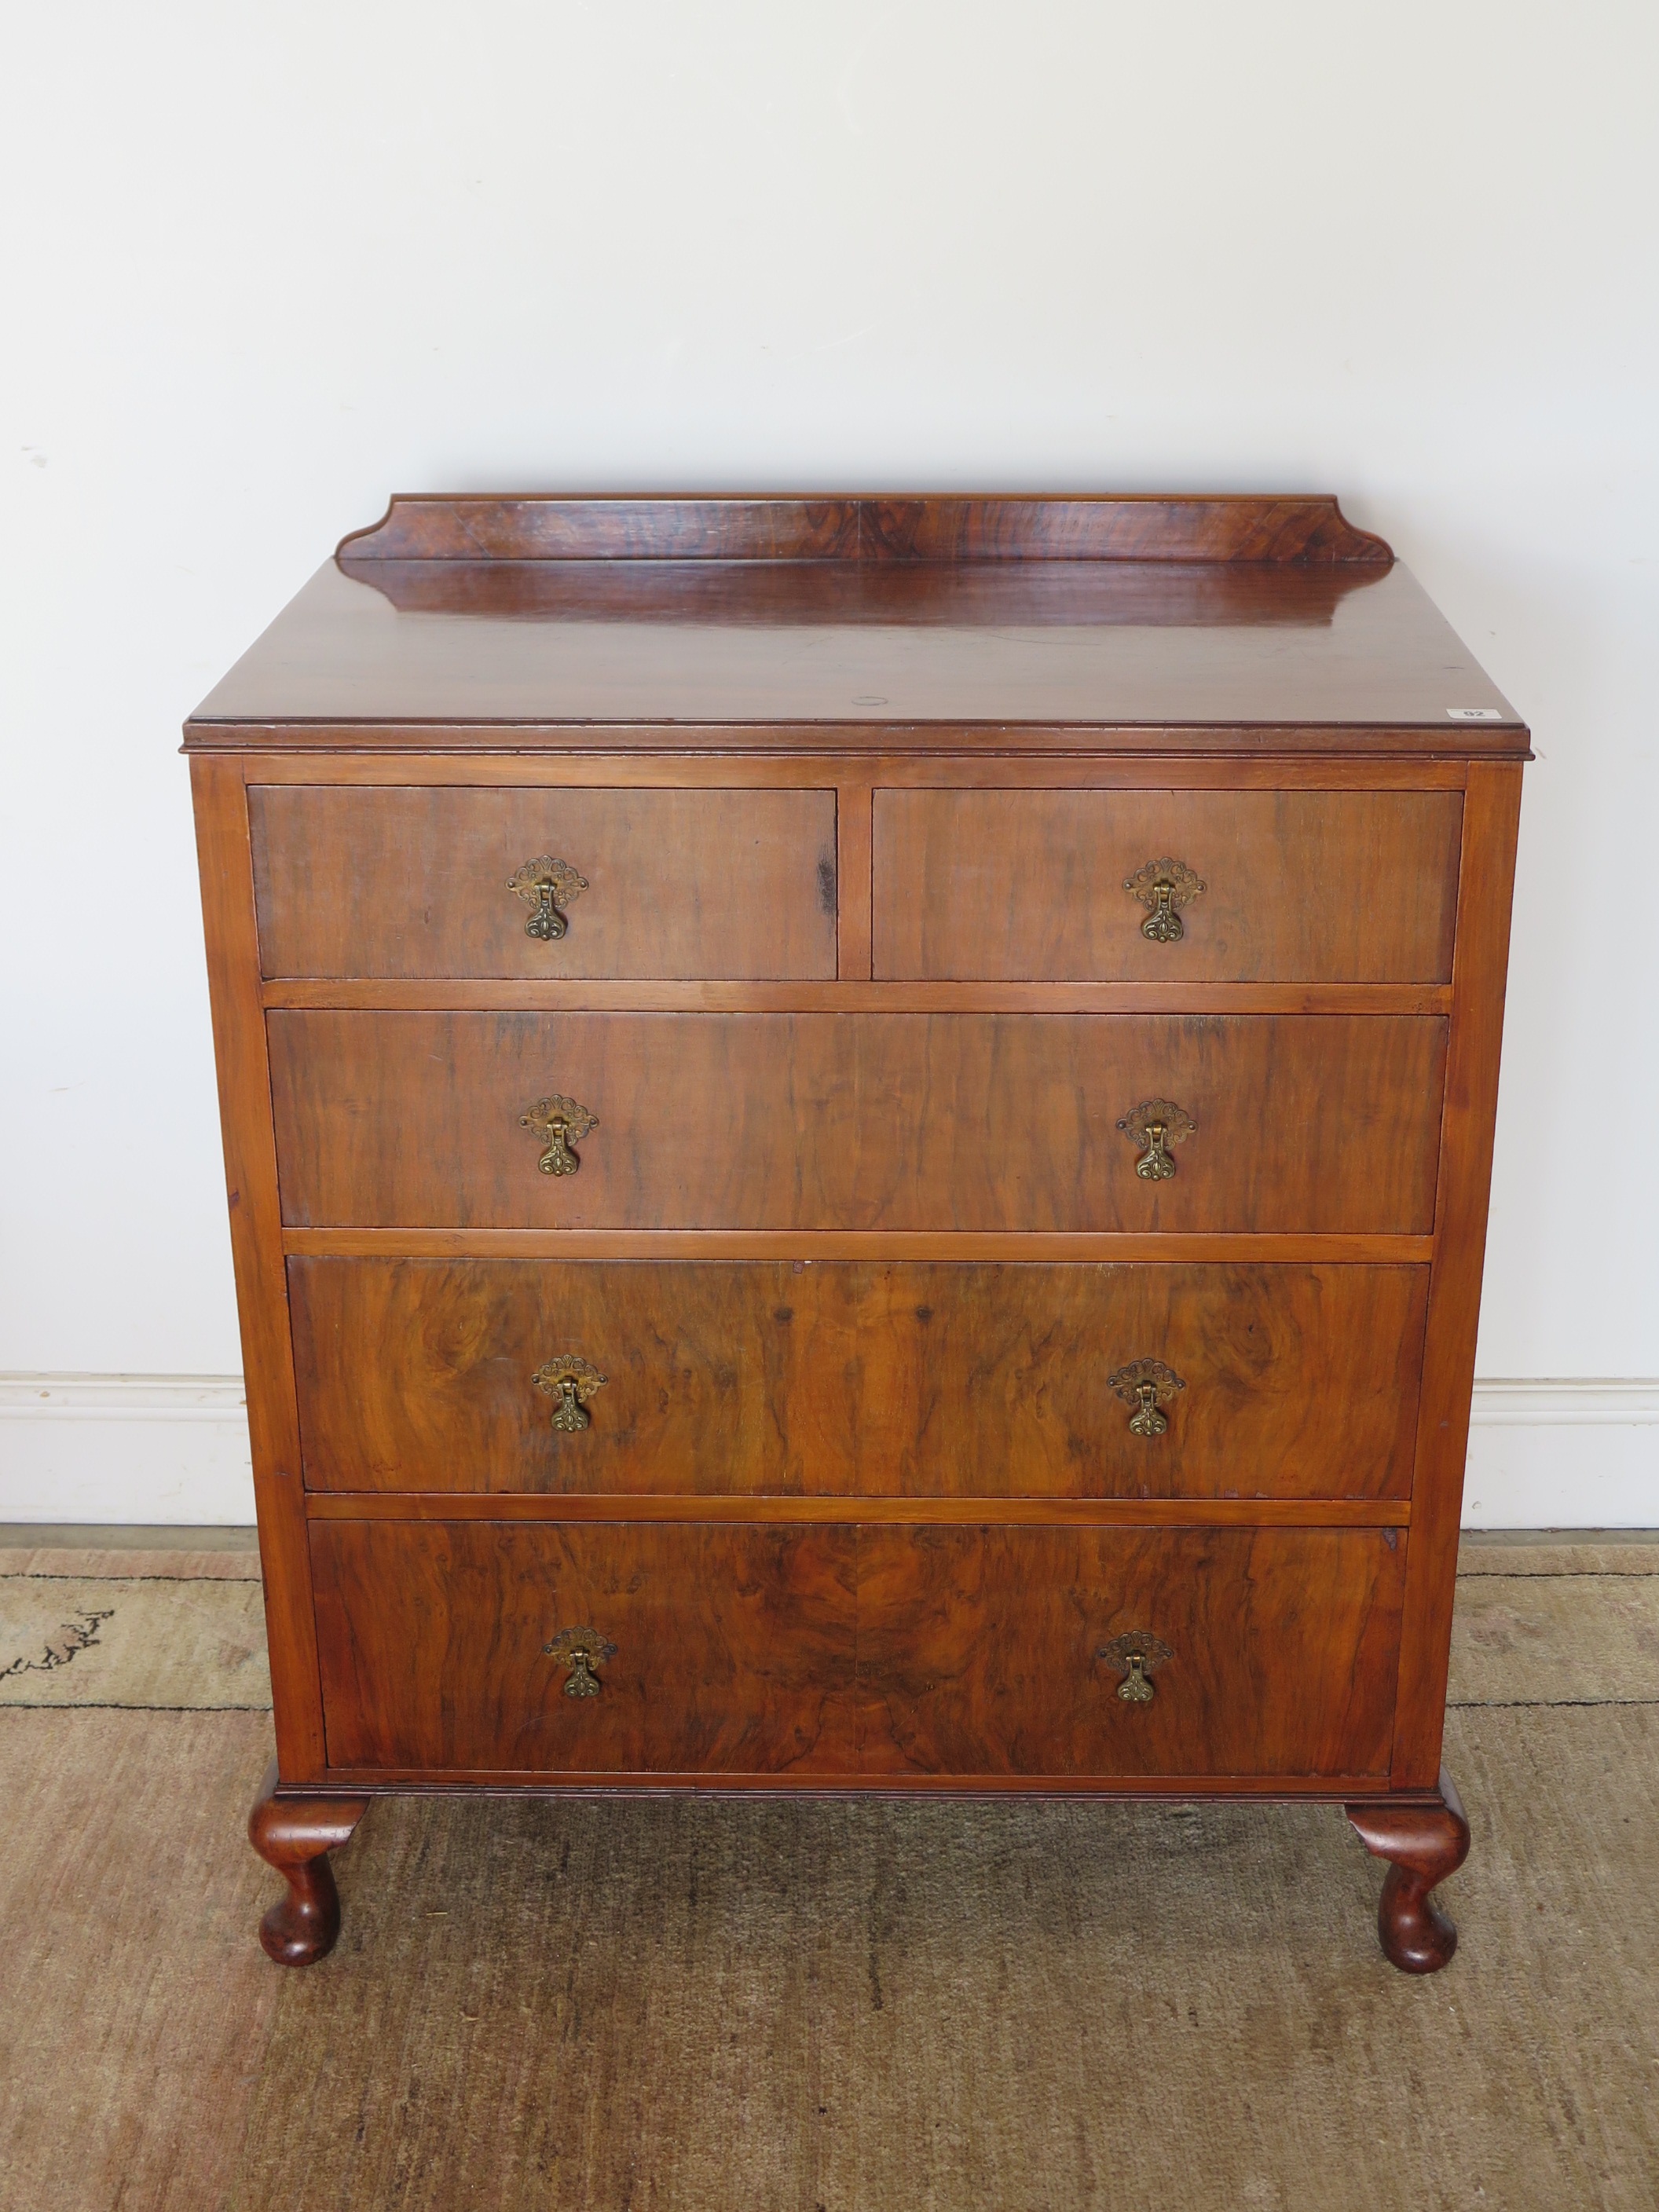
[851,1378]
[839,1651]
[858,1121]
[1166,886]
[413,882]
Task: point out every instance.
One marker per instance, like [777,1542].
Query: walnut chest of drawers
[858,1134]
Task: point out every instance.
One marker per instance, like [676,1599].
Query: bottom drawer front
[980,1650]
[828,1652]
[730,1650]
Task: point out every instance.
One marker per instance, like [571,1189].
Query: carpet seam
[1549,1575]
[29,1577]
[111,1705]
[1539,1704]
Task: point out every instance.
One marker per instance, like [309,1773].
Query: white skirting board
[145,1449]
[173,1450]
[1567,1455]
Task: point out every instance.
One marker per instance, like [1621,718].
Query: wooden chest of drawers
[858,1134]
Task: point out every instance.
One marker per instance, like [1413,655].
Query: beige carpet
[179,1642]
[855,2006]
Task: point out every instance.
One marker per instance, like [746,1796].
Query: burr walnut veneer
[858,1135]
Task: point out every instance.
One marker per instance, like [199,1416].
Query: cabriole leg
[1424,1843]
[295,1835]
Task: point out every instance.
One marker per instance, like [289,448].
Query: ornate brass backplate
[1147,1385]
[573,1383]
[1156,1123]
[584,1651]
[546,885]
[1165,886]
[560,1124]
[1136,1655]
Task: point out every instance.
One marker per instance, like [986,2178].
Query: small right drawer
[990,1652]
[1166,886]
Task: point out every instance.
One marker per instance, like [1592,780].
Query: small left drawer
[586,1649]
[544,884]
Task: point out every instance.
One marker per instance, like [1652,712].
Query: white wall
[263,267]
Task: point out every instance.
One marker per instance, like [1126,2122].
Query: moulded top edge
[1509,739]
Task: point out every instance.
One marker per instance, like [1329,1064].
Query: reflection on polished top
[1222,617]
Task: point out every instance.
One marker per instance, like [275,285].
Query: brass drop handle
[1148,1386]
[546,884]
[583,1651]
[1136,1656]
[1156,1124]
[1164,886]
[560,1124]
[572,1381]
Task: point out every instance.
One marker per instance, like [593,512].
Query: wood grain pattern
[1128,645]
[412,881]
[296,1834]
[1357,887]
[889,1512]
[468,756]
[534,526]
[857,1122]
[1422,1845]
[838,1651]
[902,1381]
[1146,527]
[338,653]
[1043,593]
[977,1649]
[819,1244]
[1140,527]
[734,1647]
[1492,820]
[1392,752]
[859,996]
[1142,1789]
[853,803]
[256,1244]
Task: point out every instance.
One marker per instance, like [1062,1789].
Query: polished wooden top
[1215,623]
